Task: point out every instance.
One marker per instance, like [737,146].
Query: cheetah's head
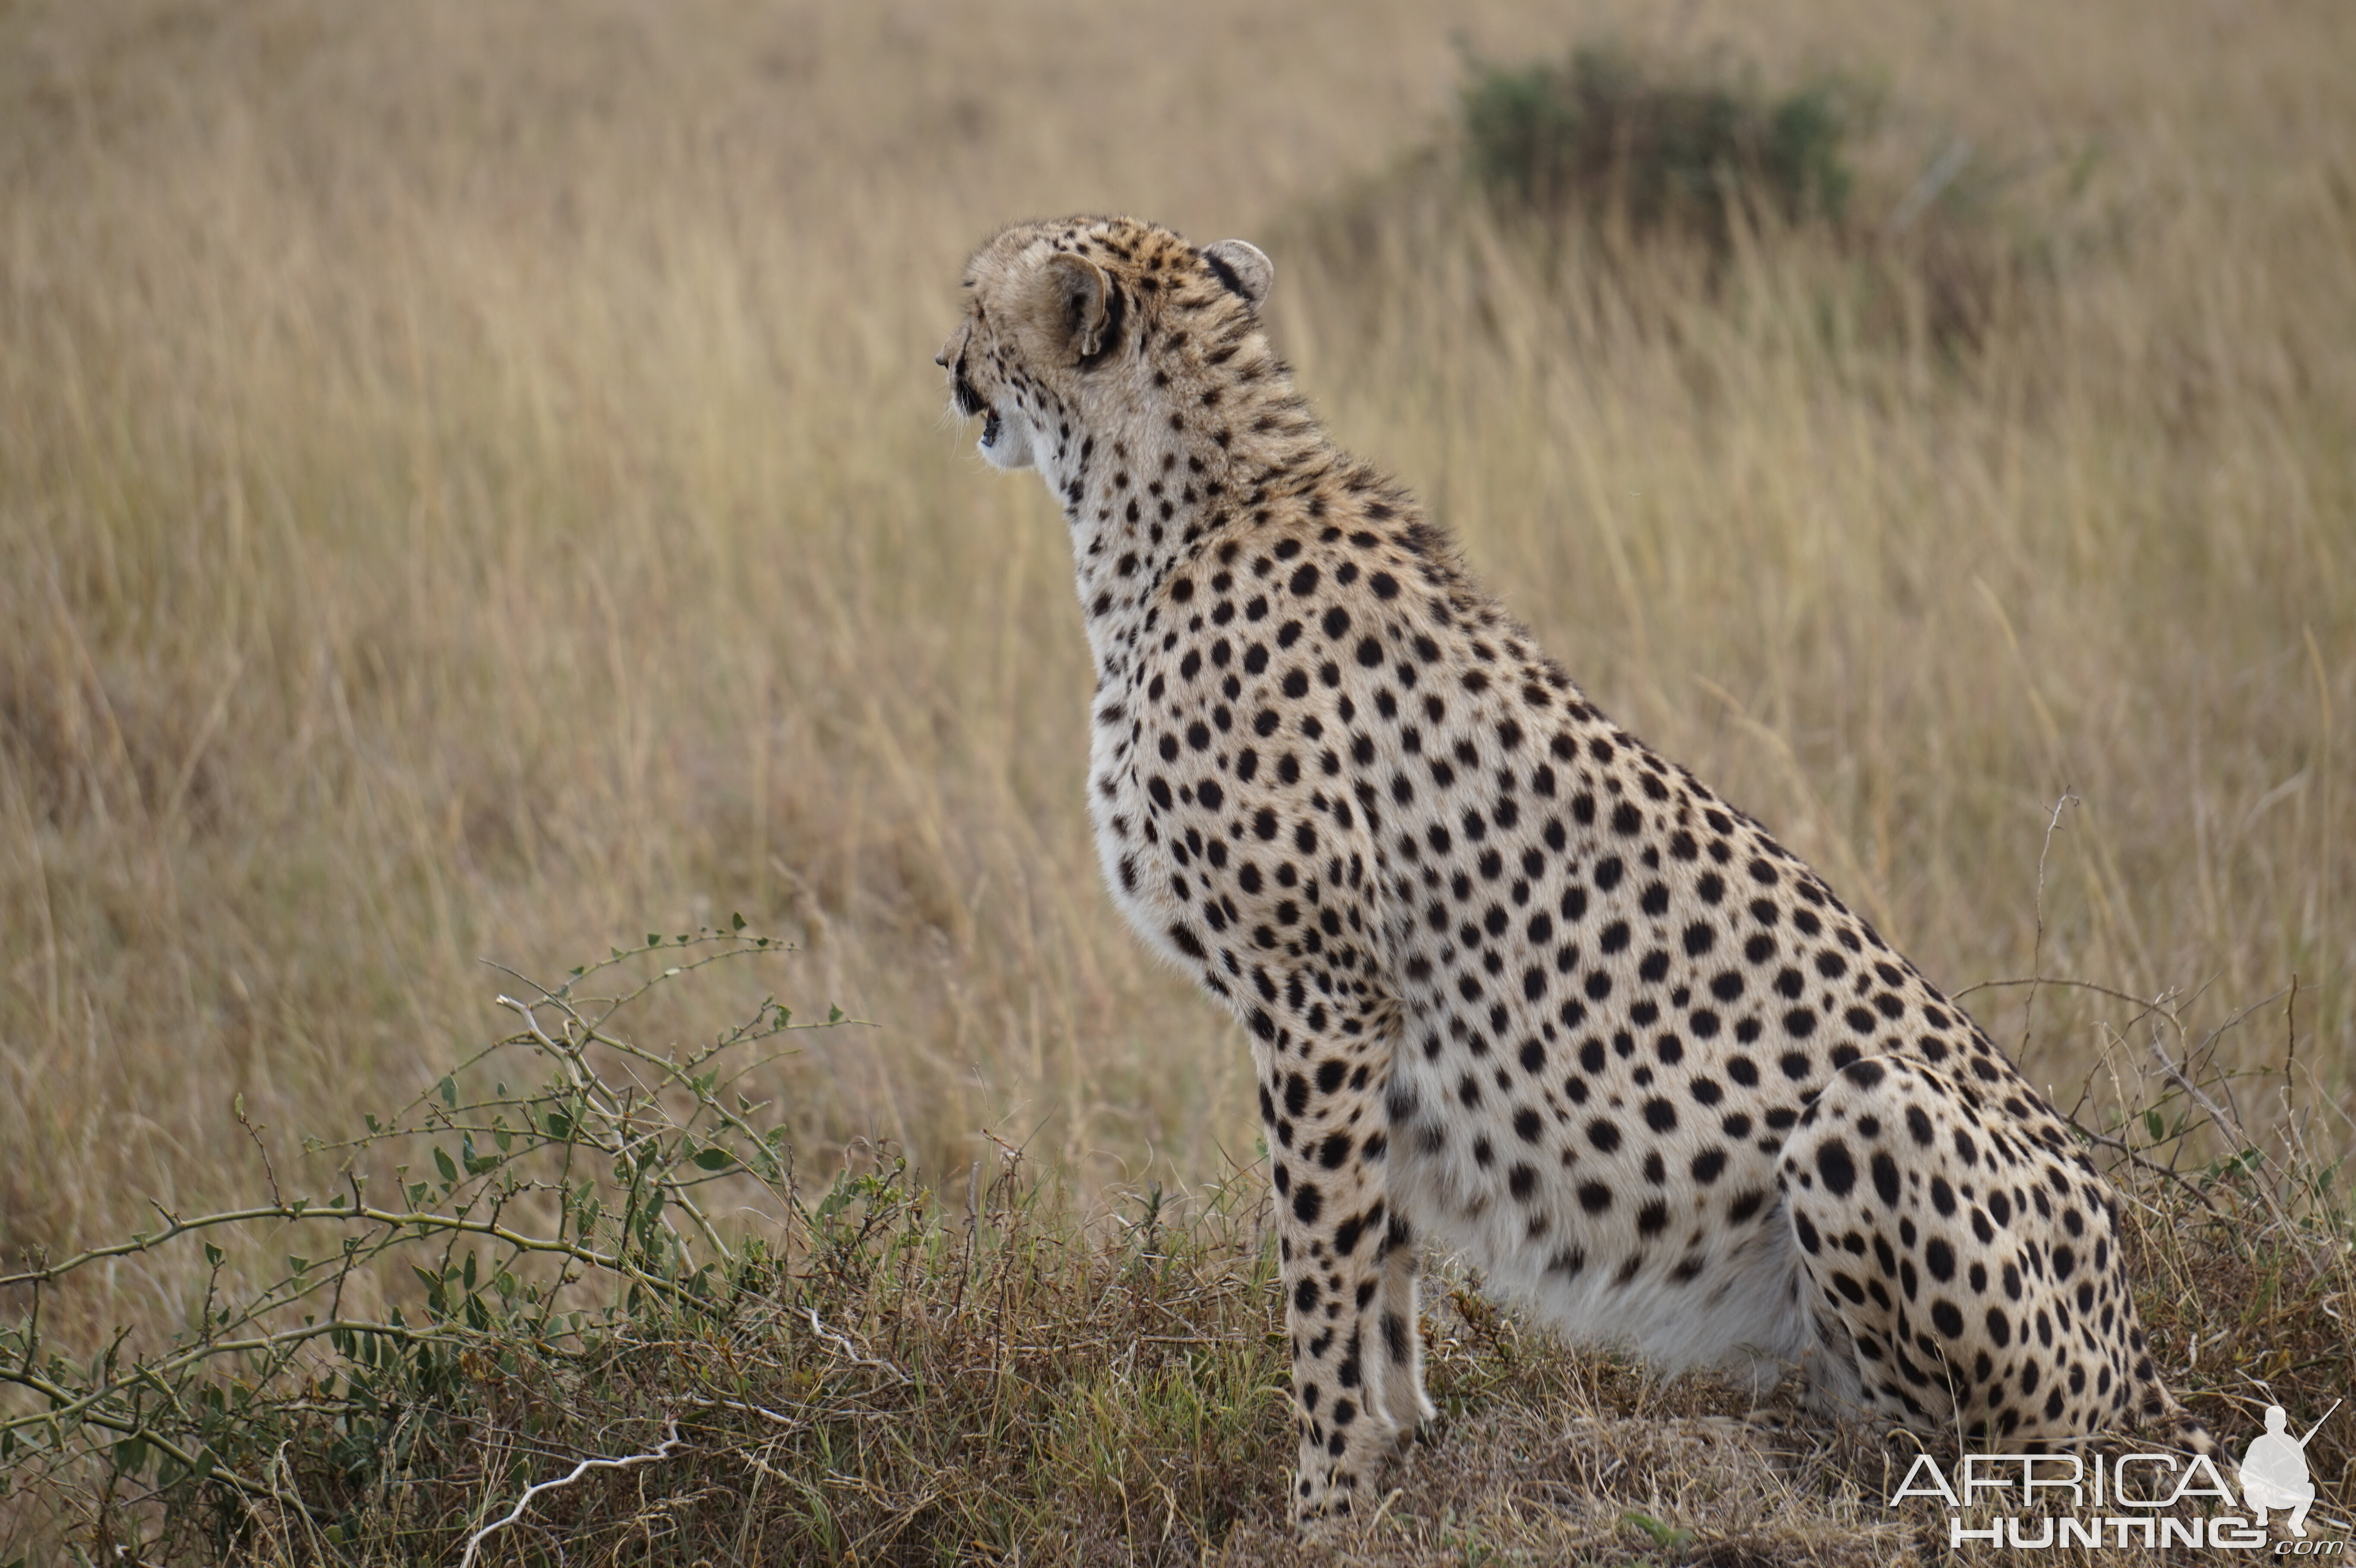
[1057,316]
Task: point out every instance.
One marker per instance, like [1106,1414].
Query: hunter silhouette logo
[2274,1471]
[2152,1500]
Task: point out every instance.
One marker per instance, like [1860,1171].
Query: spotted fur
[1509,979]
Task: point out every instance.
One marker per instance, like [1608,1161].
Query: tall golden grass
[472,483]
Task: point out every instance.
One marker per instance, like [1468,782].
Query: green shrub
[570,1320]
[347,1347]
[1600,135]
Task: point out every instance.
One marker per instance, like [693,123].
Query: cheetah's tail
[2165,1414]
[2192,1434]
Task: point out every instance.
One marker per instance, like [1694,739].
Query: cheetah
[1510,979]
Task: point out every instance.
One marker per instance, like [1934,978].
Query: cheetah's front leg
[1322,1106]
[1404,1400]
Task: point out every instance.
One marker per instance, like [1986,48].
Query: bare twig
[2240,1134]
[2290,1060]
[256,1134]
[662,1451]
[2036,946]
[2100,990]
[2137,1157]
[851,1353]
[395,1219]
[794,1422]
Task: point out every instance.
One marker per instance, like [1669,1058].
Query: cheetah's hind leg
[1970,1253]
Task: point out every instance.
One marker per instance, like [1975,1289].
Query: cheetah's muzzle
[1506,975]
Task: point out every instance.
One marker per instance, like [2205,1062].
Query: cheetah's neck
[1193,459]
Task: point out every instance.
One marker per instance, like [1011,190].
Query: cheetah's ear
[1244,268]
[1073,305]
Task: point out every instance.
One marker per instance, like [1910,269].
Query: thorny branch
[197,1404]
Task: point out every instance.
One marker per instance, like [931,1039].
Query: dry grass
[635,1331]
[864,1375]
[472,481]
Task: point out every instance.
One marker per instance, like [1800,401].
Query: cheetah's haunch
[1508,975]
